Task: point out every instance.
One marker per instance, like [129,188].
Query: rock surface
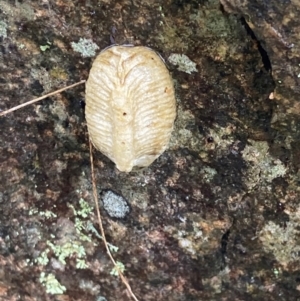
[215,217]
[276,25]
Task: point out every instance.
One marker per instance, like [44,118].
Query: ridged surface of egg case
[130,105]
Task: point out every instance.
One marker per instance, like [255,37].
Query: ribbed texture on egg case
[134,81]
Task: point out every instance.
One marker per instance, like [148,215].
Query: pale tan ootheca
[130,105]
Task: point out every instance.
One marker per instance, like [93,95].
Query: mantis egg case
[130,105]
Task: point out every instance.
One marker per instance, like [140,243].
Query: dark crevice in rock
[264,55]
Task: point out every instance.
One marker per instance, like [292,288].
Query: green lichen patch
[71,244]
[53,287]
[69,249]
[119,267]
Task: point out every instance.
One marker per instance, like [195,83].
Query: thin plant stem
[39,98]
[124,280]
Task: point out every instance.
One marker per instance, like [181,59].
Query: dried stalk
[39,98]
[124,280]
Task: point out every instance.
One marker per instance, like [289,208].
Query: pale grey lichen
[261,165]
[183,63]
[86,47]
[3,31]
[187,245]
[282,241]
[182,135]
[202,237]
[89,286]
[208,174]
[115,205]
[101,298]
[43,76]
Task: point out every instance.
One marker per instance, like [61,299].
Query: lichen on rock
[115,205]
[261,165]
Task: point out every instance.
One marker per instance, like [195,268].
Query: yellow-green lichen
[119,267]
[52,285]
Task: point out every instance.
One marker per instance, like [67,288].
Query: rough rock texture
[216,217]
[276,26]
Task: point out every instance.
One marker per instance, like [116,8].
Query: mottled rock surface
[216,217]
[276,25]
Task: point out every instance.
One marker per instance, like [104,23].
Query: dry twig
[124,280]
[39,98]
